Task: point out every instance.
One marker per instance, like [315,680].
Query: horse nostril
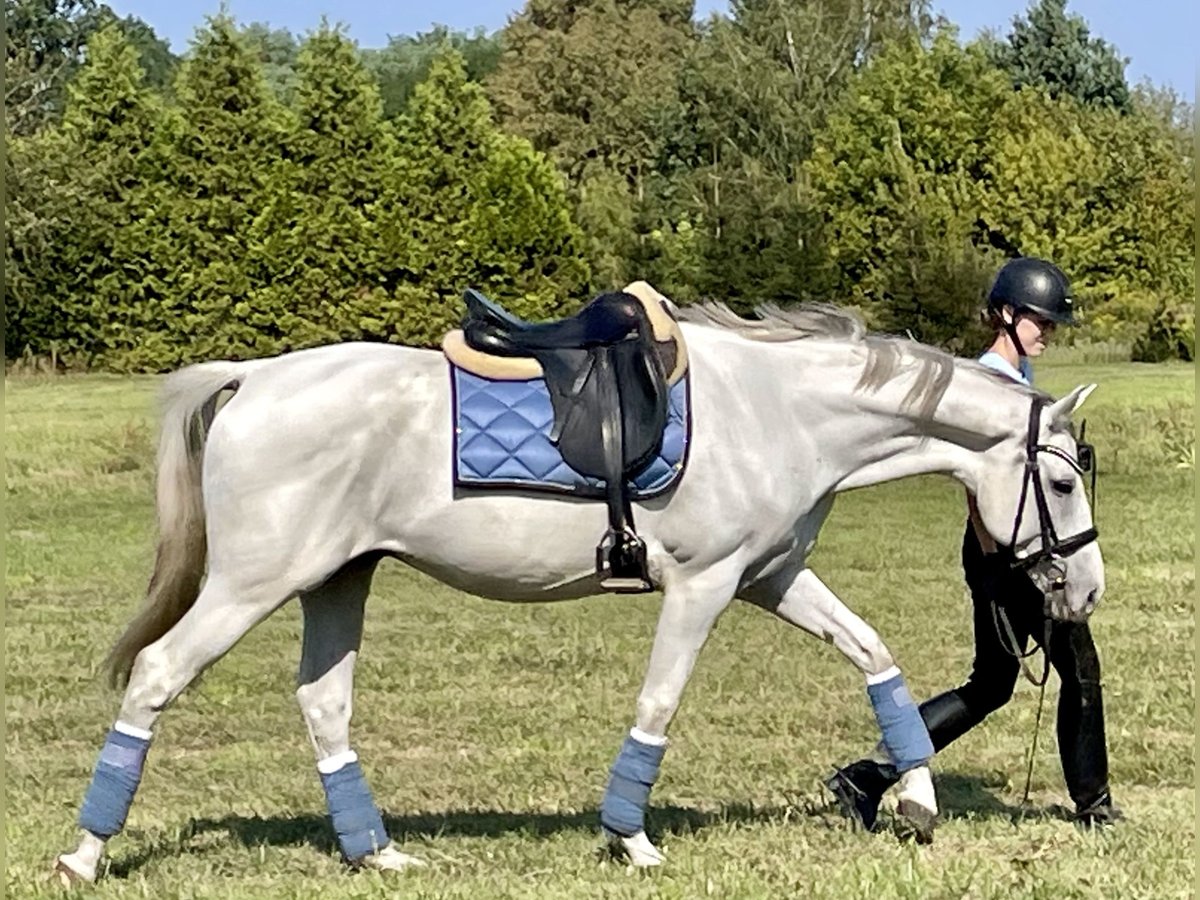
[1091,603]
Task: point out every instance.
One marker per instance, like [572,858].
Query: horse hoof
[638,850]
[70,871]
[389,859]
[921,818]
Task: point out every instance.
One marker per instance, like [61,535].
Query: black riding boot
[859,789]
[1081,739]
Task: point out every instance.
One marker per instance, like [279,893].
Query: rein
[1008,640]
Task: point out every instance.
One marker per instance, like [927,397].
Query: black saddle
[607,379]
[609,319]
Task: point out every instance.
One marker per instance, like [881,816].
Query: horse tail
[189,404]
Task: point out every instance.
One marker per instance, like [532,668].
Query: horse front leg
[802,599]
[690,608]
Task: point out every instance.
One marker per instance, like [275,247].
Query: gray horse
[324,461]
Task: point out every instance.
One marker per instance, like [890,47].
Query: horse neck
[975,413]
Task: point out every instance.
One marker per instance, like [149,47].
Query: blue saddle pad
[502,439]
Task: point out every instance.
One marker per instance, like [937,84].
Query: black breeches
[1072,653]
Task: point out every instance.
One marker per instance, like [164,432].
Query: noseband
[1054,549]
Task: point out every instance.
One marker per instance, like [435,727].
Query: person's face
[1034,332]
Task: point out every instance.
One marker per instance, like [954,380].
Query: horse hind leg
[333,627]
[222,614]
[806,602]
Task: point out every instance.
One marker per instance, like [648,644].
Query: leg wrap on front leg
[356,819]
[623,810]
[115,781]
[904,733]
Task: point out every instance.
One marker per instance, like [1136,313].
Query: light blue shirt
[994,360]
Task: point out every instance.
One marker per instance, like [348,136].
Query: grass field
[486,729]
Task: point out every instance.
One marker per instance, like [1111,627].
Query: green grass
[486,729]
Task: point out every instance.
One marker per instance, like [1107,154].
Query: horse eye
[1063,486]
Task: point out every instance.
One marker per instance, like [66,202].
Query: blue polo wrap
[356,819]
[114,782]
[623,810]
[904,733]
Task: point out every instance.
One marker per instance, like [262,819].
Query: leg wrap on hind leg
[623,810]
[115,781]
[356,819]
[900,723]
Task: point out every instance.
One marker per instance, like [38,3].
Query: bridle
[1047,559]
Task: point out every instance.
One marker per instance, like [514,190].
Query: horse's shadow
[960,796]
[313,830]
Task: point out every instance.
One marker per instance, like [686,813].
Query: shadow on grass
[315,830]
[960,797]
[973,797]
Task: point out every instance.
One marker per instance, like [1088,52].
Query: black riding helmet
[1034,285]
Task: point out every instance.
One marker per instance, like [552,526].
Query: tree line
[264,193]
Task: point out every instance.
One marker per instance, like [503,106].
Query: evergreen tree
[318,260]
[39,209]
[1053,50]
[226,139]
[476,208]
[85,280]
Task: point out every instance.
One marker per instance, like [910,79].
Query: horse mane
[887,356]
[778,324]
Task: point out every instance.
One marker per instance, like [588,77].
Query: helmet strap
[1010,327]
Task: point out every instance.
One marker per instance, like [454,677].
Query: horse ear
[1059,413]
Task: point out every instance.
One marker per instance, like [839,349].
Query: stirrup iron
[621,563]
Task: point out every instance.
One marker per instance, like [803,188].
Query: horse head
[1032,499]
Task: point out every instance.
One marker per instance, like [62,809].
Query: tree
[226,138]
[38,211]
[76,270]
[317,259]
[596,86]
[758,88]
[1106,195]
[898,173]
[44,42]
[475,208]
[46,45]
[276,50]
[1055,51]
[562,84]
[157,62]
[404,62]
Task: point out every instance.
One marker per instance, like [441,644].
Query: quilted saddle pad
[502,440]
